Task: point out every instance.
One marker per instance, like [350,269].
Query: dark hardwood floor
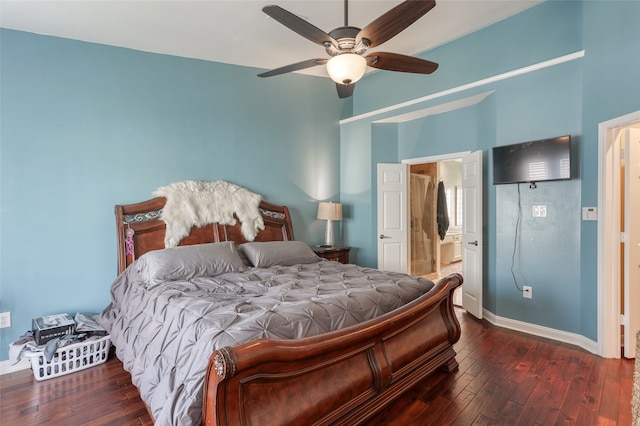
[505,378]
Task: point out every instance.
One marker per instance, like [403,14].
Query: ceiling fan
[347,45]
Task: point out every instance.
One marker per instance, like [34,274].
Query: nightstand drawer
[337,254]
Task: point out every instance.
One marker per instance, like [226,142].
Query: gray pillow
[265,254]
[187,262]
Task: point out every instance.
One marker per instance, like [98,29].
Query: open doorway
[619,236]
[393,229]
[435,224]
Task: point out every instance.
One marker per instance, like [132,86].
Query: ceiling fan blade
[294,67]
[394,21]
[402,63]
[299,25]
[345,90]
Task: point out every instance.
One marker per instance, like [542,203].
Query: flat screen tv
[535,161]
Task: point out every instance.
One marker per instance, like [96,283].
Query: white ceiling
[238,32]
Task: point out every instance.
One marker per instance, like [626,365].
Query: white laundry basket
[70,358]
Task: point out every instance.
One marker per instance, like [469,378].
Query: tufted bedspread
[165,332]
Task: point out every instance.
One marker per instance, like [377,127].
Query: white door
[472,233]
[393,206]
[631,241]
[611,257]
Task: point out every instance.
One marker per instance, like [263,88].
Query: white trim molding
[541,331]
[478,83]
[6,367]
[524,327]
[436,158]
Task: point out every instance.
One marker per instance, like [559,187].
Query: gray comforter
[165,332]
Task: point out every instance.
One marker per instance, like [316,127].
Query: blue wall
[611,88]
[557,255]
[87,126]
[535,35]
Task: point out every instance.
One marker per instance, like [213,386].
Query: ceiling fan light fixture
[346,68]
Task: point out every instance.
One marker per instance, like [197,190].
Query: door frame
[608,259]
[437,159]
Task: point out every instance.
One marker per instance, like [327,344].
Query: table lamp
[329,212]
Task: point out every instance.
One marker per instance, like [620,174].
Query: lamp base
[328,234]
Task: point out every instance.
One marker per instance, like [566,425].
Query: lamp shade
[346,68]
[330,211]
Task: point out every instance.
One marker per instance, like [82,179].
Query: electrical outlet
[527,292]
[5,319]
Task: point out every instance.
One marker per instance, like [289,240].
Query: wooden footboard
[343,377]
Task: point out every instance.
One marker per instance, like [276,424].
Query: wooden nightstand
[335,253]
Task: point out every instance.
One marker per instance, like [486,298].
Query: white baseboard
[6,367]
[541,331]
[525,327]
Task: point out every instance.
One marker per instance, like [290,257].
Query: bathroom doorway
[436,244]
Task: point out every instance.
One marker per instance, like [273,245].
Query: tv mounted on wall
[534,161]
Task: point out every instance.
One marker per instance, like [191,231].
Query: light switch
[539,211]
[589,213]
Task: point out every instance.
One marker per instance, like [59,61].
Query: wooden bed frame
[343,377]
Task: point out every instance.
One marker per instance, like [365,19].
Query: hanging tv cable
[515,241]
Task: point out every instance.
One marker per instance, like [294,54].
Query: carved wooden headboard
[148,230]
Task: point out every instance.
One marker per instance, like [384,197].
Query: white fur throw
[195,203]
